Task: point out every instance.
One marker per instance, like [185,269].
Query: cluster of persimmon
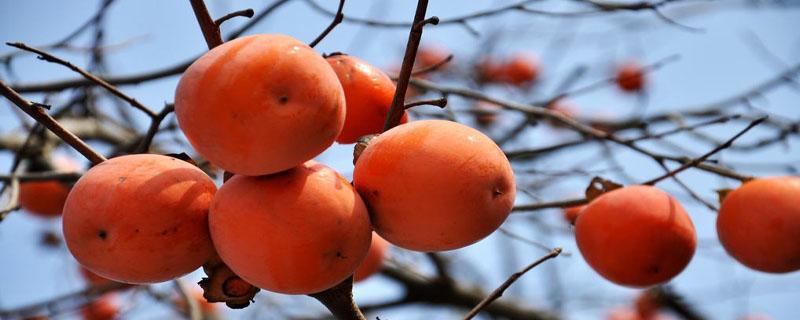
[640,236]
[262,107]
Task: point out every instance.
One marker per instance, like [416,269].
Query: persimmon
[571,213]
[759,224]
[630,77]
[626,313]
[140,218]
[368,92]
[486,113]
[378,250]
[520,69]
[300,231]
[260,104]
[489,70]
[622,313]
[636,236]
[46,198]
[435,185]
[431,55]
[103,308]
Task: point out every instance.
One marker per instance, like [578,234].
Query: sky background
[716,63]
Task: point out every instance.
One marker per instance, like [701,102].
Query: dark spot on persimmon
[496,192]
[283,99]
[102,234]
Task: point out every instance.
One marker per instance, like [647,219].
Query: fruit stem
[339,300]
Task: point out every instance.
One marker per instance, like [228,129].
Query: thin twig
[703,158]
[497,293]
[247,13]
[441,103]
[337,19]
[193,309]
[155,123]
[46,120]
[51,58]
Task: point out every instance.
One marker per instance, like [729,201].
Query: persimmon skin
[93,279]
[46,198]
[759,222]
[630,77]
[43,198]
[140,218]
[636,236]
[260,104]
[101,309]
[378,251]
[571,213]
[300,231]
[520,69]
[368,92]
[435,185]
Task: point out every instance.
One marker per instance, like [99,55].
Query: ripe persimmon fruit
[630,77]
[46,198]
[368,92]
[92,278]
[299,231]
[140,218]
[260,104]
[486,113]
[378,250]
[636,236]
[435,185]
[488,69]
[759,224]
[103,308]
[431,55]
[571,213]
[520,69]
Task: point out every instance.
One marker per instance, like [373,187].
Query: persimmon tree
[229,180]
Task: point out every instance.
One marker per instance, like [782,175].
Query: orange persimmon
[260,104]
[636,236]
[101,309]
[571,213]
[630,77]
[368,92]
[140,218]
[435,185]
[759,224]
[46,198]
[299,231]
[378,250]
